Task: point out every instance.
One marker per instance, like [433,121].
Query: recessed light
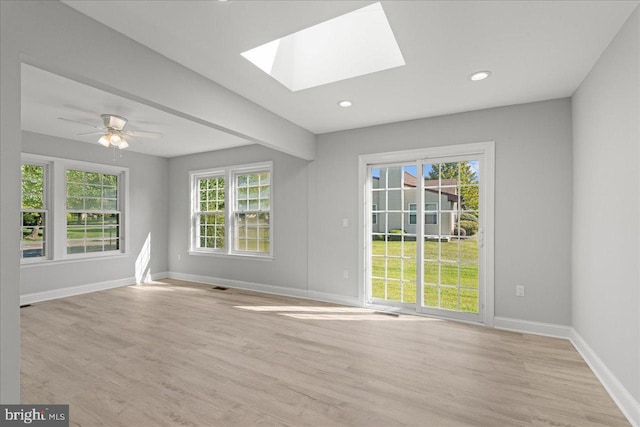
[479,75]
[345,104]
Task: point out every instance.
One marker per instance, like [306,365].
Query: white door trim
[487,150]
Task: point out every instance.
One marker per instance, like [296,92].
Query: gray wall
[148,214]
[289,235]
[606,259]
[533,200]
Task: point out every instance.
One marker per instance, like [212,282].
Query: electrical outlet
[179,256]
[345,274]
[520,290]
[345,222]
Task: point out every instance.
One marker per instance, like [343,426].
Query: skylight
[357,43]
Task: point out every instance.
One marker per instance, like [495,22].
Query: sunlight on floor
[333,313]
[302,309]
[357,317]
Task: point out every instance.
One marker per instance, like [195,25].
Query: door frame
[487,177]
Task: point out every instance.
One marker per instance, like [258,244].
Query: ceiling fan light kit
[113,133]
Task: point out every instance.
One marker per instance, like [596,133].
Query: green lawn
[441,282]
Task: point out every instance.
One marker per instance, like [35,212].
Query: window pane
[94,246]
[111,218]
[93,204]
[110,180]
[74,203]
[75,247]
[75,233]
[75,190]
[93,178]
[94,219]
[92,191]
[110,204]
[75,176]
[111,245]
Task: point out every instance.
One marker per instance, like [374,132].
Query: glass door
[393,238]
[452,238]
[426,236]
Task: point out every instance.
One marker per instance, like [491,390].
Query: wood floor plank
[182,354]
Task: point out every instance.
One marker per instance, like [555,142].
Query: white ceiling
[47,96]
[536,50]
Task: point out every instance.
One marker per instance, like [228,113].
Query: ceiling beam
[57,38]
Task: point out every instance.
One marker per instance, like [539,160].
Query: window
[33,230]
[86,220]
[430,214]
[412,214]
[210,214]
[92,211]
[231,210]
[251,211]
[374,218]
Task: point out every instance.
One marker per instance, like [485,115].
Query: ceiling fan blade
[142,133]
[80,123]
[91,133]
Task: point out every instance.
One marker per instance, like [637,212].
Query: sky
[475,166]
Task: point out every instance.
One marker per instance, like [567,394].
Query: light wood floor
[178,353]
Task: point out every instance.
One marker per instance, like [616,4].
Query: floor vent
[26,305]
[219,288]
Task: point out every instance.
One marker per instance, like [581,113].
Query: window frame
[230,173]
[57,220]
[46,203]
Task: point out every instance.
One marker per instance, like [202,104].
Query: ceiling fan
[112,132]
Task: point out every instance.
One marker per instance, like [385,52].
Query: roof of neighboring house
[451,192]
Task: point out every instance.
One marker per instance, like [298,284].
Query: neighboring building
[394,204]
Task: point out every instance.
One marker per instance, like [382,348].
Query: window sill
[52,262]
[232,256]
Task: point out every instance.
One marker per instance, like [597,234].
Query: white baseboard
[334,298]
[75,290]
[629,406]
[537,328]
[84,289]
[267,289]
[159,276]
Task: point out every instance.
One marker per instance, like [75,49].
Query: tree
[464,175]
